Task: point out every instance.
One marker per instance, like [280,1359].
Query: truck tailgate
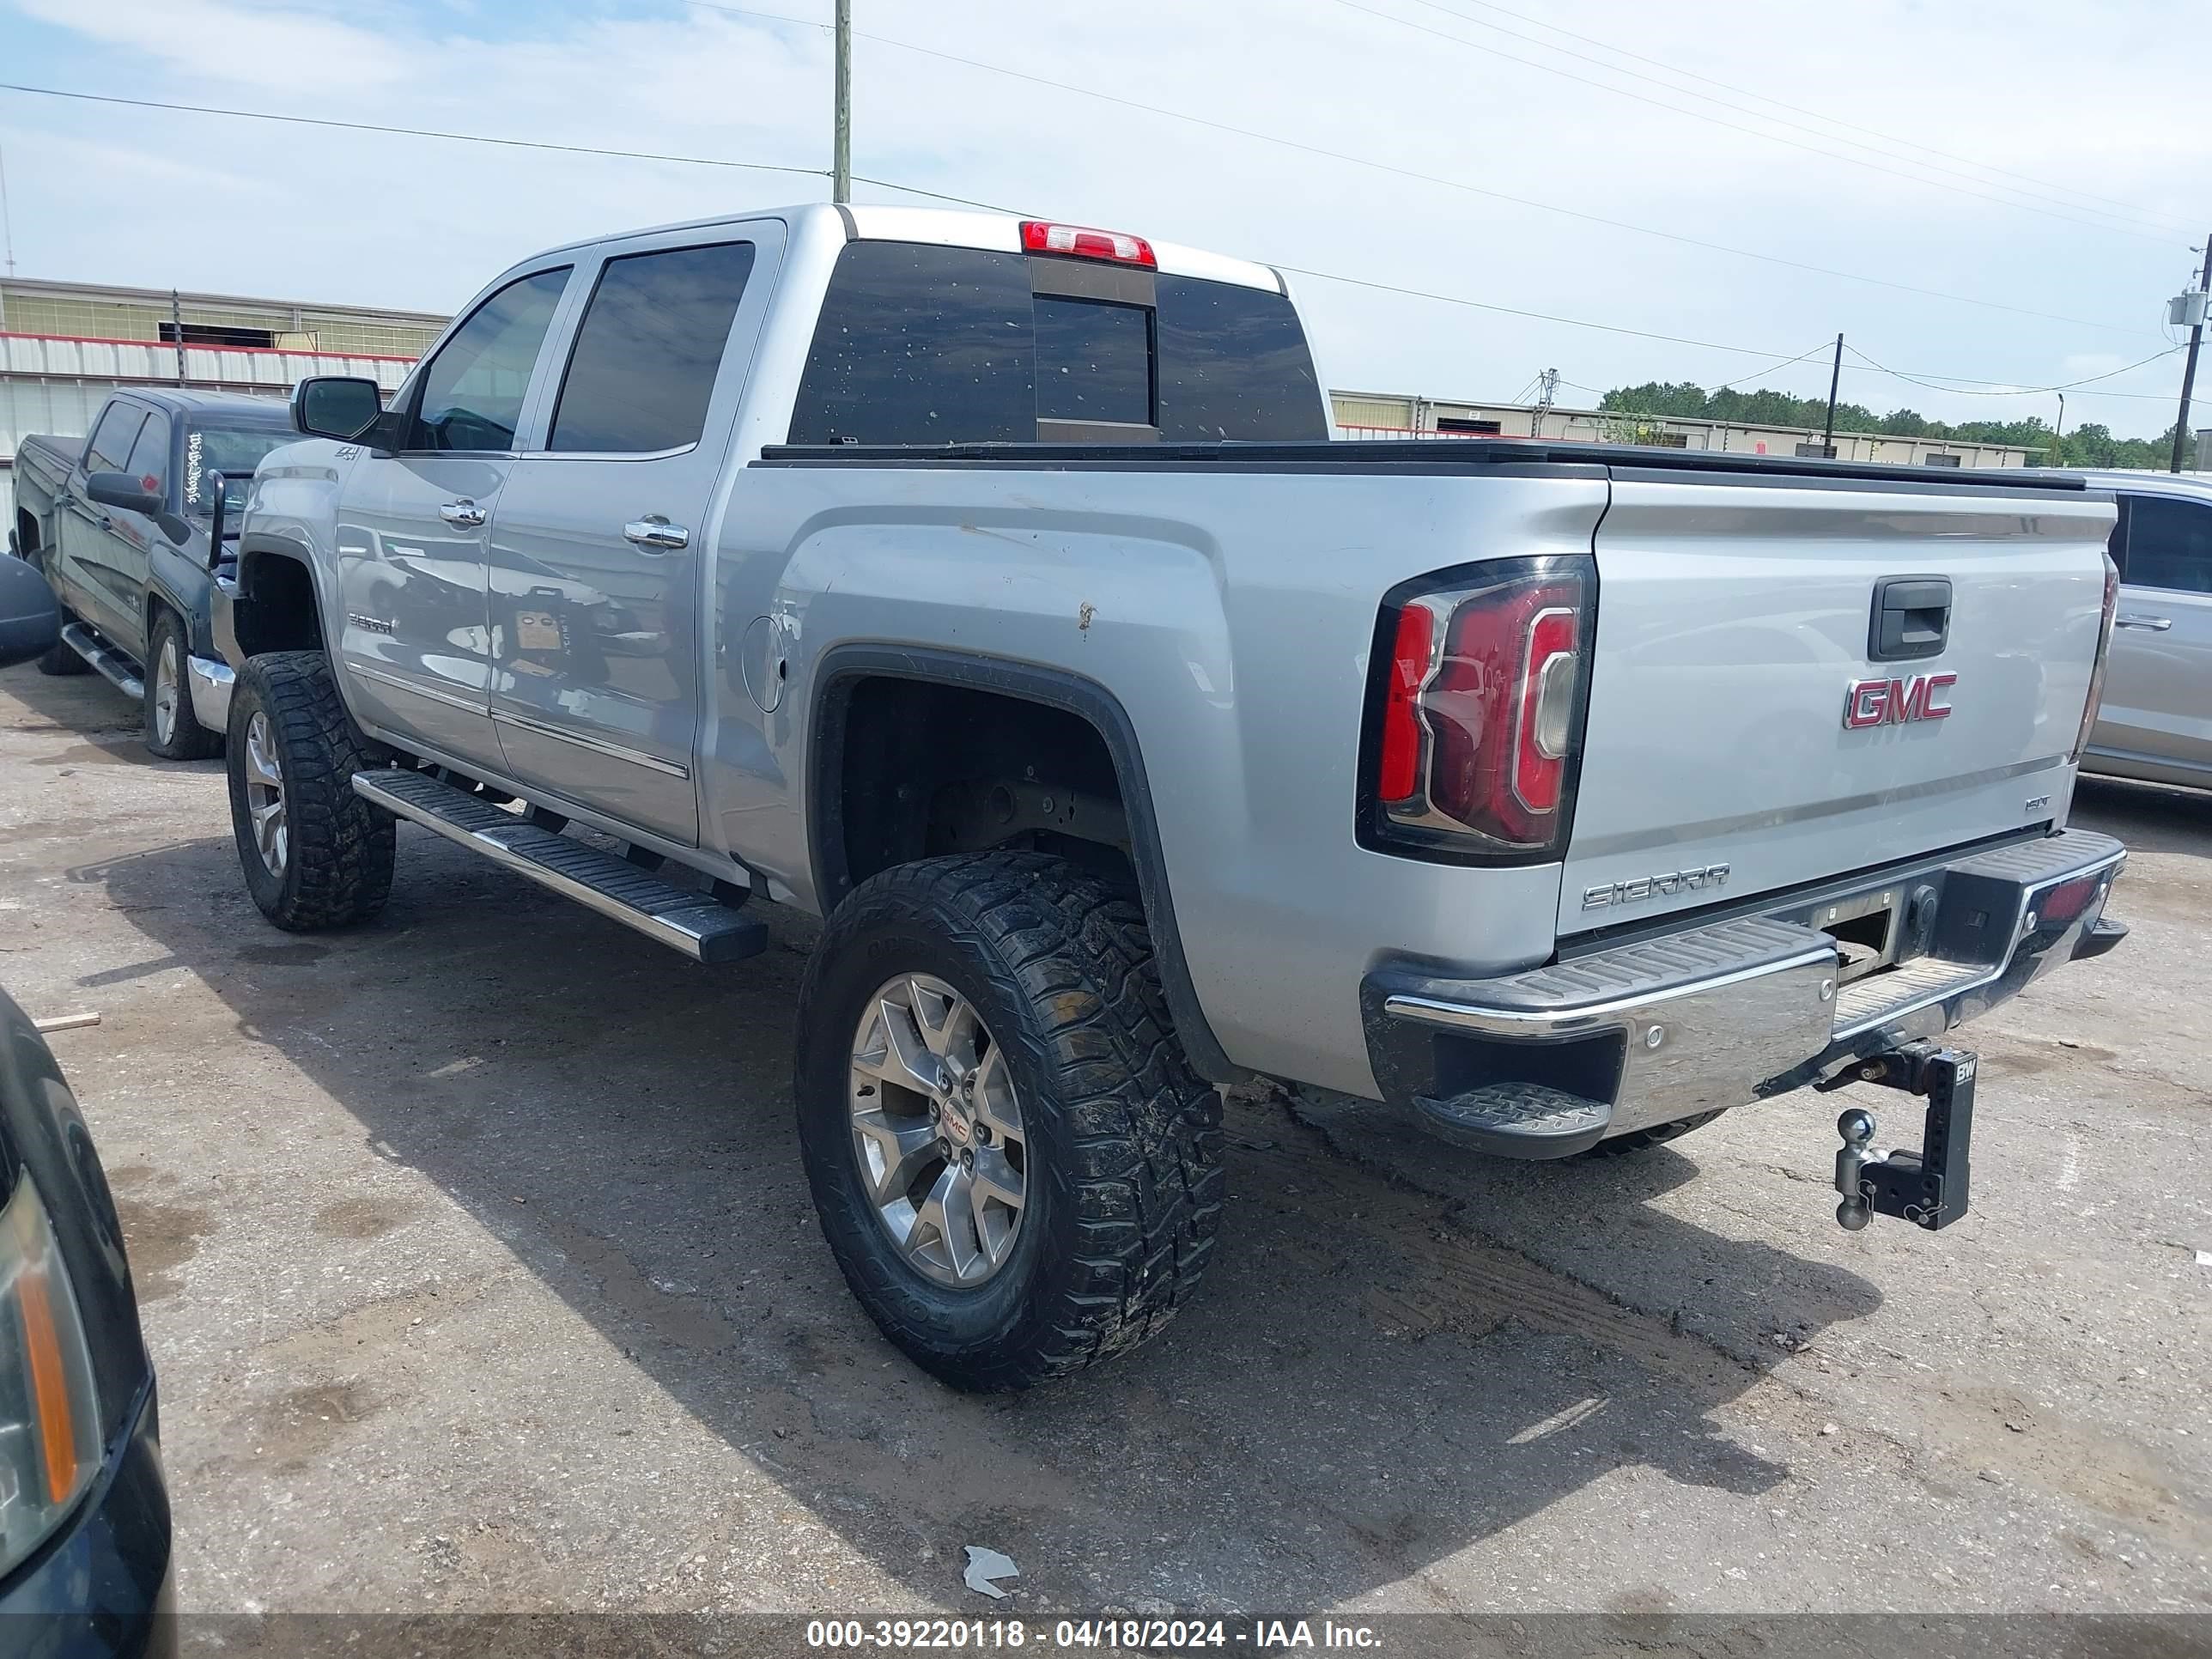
[1733,621]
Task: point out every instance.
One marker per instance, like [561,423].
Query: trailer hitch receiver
[1927,1188]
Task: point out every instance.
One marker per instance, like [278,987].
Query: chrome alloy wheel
[937,1131]
[264,795]
[168,688]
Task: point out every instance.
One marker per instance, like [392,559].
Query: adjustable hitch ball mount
[1927,1188]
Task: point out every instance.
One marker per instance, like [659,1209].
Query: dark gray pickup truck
[120,522]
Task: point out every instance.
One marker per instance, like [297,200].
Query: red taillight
[1081,242]
[2104,651]
[1399,773]
[1479,710]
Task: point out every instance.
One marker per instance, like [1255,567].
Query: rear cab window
[922,344]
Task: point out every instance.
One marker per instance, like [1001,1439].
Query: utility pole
[7,222]
[177,325]
[1835,378]
[2058,438]
[1547,385]
[2189,363]
[840,178]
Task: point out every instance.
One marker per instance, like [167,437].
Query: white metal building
[1385,415]
[64,346]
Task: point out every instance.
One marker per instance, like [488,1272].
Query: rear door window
[110,447]
[472,390]
[650,347]
[2169,544]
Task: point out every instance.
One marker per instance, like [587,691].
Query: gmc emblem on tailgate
[1894,702]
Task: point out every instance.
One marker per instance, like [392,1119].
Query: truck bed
[1422,456]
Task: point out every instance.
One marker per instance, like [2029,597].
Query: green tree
[2088,445]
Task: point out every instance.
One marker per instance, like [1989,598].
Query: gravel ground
[477,1260]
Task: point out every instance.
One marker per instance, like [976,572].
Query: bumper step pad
[700,927]
[1517,1119]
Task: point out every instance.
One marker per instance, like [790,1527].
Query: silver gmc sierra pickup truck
[989,587]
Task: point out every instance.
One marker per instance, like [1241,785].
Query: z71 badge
[1649,887]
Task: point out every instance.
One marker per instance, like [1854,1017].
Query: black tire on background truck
[60,661]
[996,1019]
[174,730]
[315,854]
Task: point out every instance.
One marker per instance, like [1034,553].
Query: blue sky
[1511,153]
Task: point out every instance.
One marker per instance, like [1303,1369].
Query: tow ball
[1927,1188]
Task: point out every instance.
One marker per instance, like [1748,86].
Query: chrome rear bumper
[1675,1025]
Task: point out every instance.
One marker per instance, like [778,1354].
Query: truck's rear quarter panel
[1231,615]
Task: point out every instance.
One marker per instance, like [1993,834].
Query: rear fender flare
[842,666]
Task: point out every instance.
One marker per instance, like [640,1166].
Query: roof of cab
[999,233]
[189,400]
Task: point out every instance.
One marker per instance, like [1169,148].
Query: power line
[1969,390]
[2093,205]
[1799,109]
[1781,358]
[1418,177]
[413,133]
[1699,115]
[1760,374]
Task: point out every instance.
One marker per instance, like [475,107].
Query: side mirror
[30,617]
[340,406]
[121,489]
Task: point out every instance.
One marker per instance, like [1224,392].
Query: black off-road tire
[1643,1141]
[1123,1179]
[188,740]
[338,869]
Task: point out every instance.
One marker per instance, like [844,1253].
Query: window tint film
[920,345]
[1094,362]
[472,390]
[149,456]
[112,438]
[649,348]
[1234,364]
[2169,543]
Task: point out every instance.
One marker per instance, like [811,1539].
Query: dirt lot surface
[476,1260]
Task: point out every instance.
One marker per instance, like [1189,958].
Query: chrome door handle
[2154,624]
[466,514]
[656,535]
